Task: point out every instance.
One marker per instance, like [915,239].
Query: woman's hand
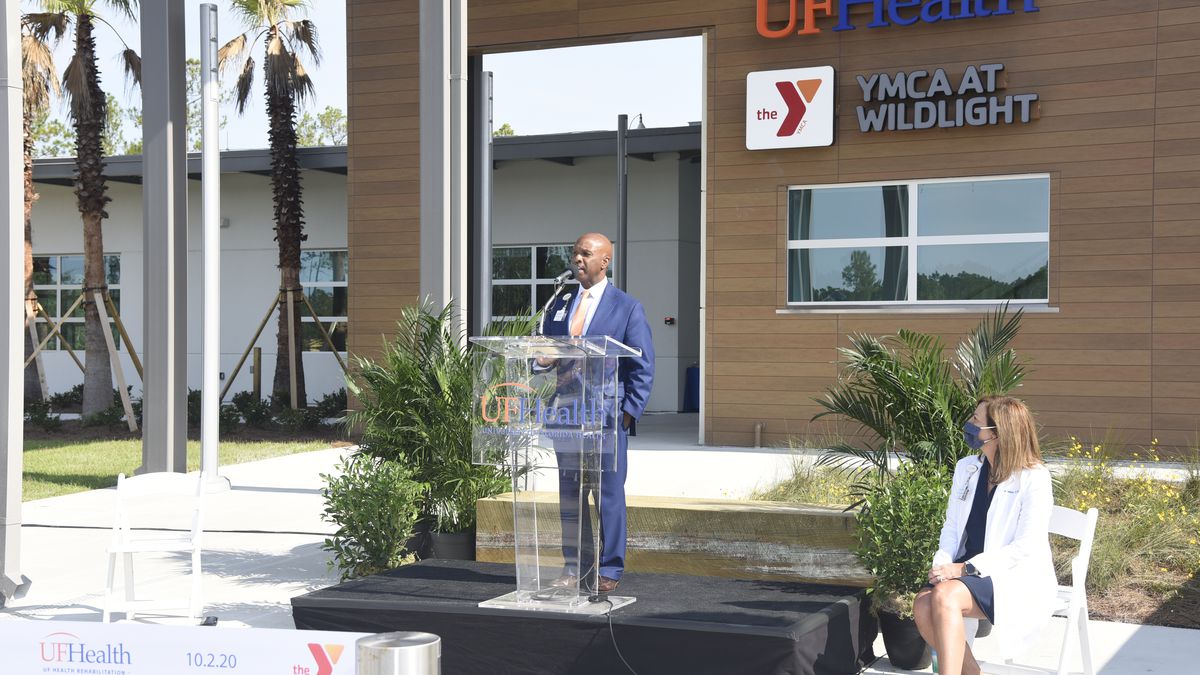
[945,572]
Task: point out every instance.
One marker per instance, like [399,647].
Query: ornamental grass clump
[1149,529]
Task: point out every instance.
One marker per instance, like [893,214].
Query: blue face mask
[971,435]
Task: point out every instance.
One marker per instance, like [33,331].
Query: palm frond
[231,51]
[302,84]
[74,82]
[244,81]
[38,78]
[304,32]
[126,7]
[44,25]
[133,66]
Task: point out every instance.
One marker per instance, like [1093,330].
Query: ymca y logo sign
[789,108]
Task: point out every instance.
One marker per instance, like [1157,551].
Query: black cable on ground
[613,635]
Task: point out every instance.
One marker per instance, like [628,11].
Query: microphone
[565,276]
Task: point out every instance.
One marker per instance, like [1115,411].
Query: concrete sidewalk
[263,547]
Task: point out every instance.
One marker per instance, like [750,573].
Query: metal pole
[459,222]
[482,166]
[434,157]
[399,654]
[210,397]
[622,201]
[12,301]
[164,213]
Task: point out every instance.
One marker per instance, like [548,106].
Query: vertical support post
[164,201]
[291,355]
[115,357]
[12,299]
[443,98]
[210,390]
[256,378]
[622,201]
[481,196]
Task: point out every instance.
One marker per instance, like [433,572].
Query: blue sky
[546,91]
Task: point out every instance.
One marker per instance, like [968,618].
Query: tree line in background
[96,127]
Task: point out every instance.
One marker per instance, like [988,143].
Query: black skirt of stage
[679,624]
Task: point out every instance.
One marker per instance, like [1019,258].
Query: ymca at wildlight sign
[884,13]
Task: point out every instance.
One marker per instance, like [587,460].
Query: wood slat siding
[1119,134]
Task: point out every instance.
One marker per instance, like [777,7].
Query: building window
[323,276]
[58,283]
[523,277]
[951,241]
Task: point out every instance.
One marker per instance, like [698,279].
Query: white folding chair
[1070,601]
[149,497]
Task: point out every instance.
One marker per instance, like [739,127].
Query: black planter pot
[905,647]
[453,546]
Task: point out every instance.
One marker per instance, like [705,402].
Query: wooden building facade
[1114,349]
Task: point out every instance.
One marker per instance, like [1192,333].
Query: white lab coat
[1016,549]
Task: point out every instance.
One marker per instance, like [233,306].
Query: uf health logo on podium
[789,108]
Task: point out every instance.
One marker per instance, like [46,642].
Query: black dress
[973,536]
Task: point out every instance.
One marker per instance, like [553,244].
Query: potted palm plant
[910,402]
[415,400]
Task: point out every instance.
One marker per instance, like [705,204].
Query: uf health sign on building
[79,648]
[802,14]
[789,108]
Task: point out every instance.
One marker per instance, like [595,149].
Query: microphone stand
[558,286]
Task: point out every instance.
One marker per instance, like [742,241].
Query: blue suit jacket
[620,317]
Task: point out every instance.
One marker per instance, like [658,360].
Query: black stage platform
[679,624]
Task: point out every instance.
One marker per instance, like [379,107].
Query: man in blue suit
[599,308]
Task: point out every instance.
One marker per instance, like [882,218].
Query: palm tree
[88,107]
[906,396]
[286,84]
[38,81]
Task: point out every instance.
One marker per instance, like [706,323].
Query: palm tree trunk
[289,228]
[90,190]
[33,386]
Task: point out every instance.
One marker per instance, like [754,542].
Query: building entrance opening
[554,177]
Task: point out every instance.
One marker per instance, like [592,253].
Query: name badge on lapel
[562,312]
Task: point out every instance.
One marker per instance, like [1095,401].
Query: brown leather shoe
[565,581]
[607,585]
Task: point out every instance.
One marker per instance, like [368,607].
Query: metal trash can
[399,654]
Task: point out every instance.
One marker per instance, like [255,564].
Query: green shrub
[109,417]
[305,419]
[375,505]
[332,405]
[38,414]
[228,419]
[417,399]
[255,411]
[898,530]
[67,400]
[193,407]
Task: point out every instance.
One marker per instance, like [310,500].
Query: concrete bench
[702,537]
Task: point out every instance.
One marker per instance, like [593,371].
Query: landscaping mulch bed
[1133,603]
[74,430]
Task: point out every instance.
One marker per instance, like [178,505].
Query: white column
[12,293]
[443,154]
[210,398]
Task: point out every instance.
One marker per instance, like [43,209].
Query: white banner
[86,648]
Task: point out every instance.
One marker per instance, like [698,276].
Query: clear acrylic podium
[549,405]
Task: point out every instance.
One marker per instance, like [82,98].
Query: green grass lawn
[61,467]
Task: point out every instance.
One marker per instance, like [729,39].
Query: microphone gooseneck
[559,282]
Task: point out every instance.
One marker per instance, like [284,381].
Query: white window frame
[55,344]
[532,281]
[913,240]
[328,323]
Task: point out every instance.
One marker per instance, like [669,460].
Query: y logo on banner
[326,655]
[795,95]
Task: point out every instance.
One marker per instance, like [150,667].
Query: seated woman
[993,558]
